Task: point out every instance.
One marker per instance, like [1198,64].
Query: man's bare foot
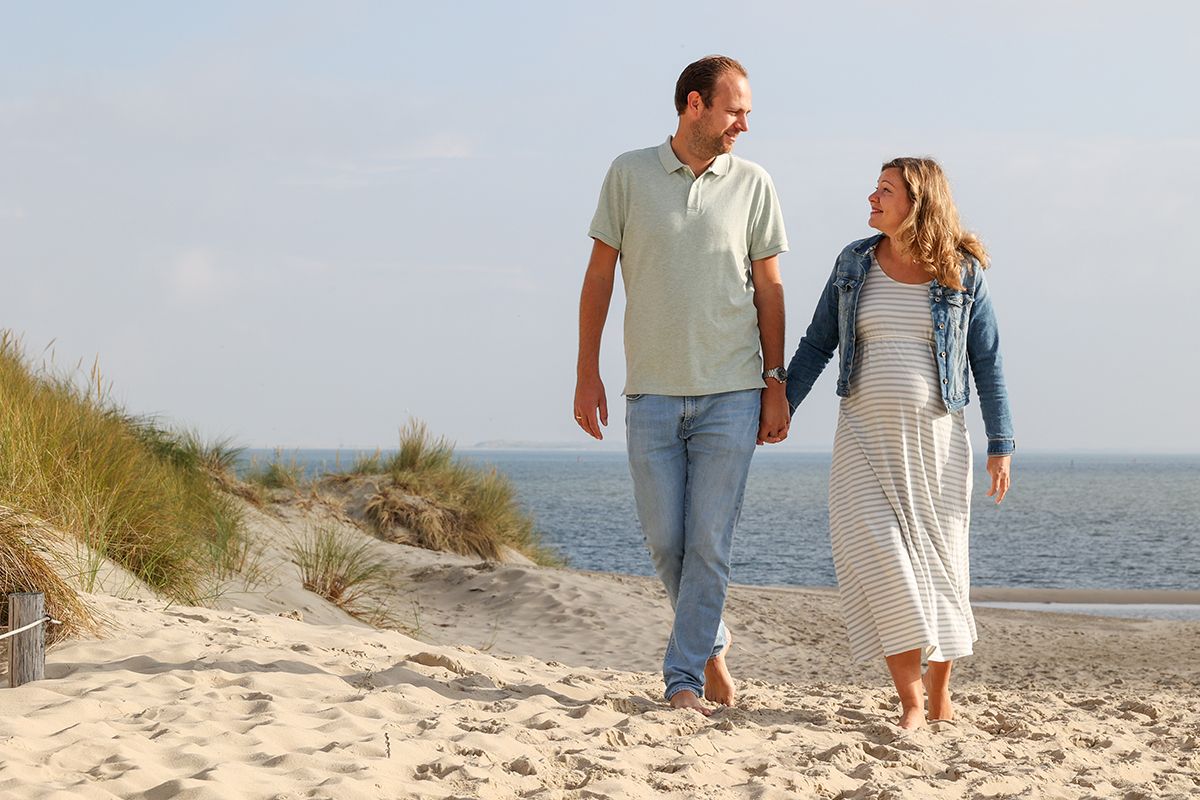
[686,698]
[718,683]
[940,707]
[912,719]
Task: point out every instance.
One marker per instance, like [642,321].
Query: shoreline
[1175,597]
[1003,594]
[1164,605]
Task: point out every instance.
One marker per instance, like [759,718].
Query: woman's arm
[983,353]
[816,347]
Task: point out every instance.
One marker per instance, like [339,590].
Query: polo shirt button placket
[694,196]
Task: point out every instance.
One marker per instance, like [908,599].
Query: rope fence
[24,628]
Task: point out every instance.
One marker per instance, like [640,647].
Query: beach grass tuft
[30,550]
[367,464]
[420,451]
[278,473]
[447,504]
[342,568]
[127,488]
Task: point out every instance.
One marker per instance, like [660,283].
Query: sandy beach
[517,681]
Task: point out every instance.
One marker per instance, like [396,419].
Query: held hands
[998,467]
[590,398]
[774,419]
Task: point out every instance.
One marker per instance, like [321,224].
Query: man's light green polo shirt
[686,244]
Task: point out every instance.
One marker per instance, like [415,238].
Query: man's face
[718,125]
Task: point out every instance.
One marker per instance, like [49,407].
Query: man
[698,233]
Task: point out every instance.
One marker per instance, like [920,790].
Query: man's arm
[774,418]
[593,311]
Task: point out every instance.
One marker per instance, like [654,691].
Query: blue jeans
[689,457]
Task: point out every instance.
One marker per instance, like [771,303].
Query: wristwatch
[778,373]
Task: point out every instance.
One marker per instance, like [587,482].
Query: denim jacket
[964,332]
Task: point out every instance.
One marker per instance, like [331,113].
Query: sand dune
[540,683]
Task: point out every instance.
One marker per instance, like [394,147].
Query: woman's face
[889,202]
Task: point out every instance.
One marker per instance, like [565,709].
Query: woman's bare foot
[686,698]
[911,719]
[940,707]
[718,683]
[906,674]
[937,690]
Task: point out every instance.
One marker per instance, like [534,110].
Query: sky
[303,224]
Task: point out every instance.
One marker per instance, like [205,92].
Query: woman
[909,312]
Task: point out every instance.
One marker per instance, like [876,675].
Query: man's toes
[687,699]
[718,684]
[723,698]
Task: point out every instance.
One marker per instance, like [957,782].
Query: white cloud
[195,275]
[382,167]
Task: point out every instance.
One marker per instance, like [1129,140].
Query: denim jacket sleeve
[983,353]
[816,347]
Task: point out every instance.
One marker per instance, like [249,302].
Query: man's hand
[774,419]
[593,310]
[590,398]
[998,467]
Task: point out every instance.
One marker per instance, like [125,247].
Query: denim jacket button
[941,325]
[945,380]
[942,354]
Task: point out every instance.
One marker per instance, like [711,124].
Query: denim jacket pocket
[847,297]
[958,311]
[958,299]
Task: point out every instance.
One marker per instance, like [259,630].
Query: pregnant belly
[898,374]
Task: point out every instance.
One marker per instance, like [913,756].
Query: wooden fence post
[26,650]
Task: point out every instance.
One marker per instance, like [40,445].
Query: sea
[1070,521]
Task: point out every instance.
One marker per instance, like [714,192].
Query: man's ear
[695,102]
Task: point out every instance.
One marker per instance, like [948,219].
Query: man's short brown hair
[701,76]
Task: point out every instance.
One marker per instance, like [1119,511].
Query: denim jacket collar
[863,248]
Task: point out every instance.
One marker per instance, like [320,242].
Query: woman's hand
[775,417]
[998,468]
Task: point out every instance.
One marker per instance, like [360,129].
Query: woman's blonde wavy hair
[931,233]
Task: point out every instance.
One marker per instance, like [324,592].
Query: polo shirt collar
[671,162]
[667,156]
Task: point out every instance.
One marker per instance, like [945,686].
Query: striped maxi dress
[900,486]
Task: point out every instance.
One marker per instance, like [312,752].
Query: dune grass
[276,474]
[127,487]
[29,550]
[342,568]
[450,505]
[367,464]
